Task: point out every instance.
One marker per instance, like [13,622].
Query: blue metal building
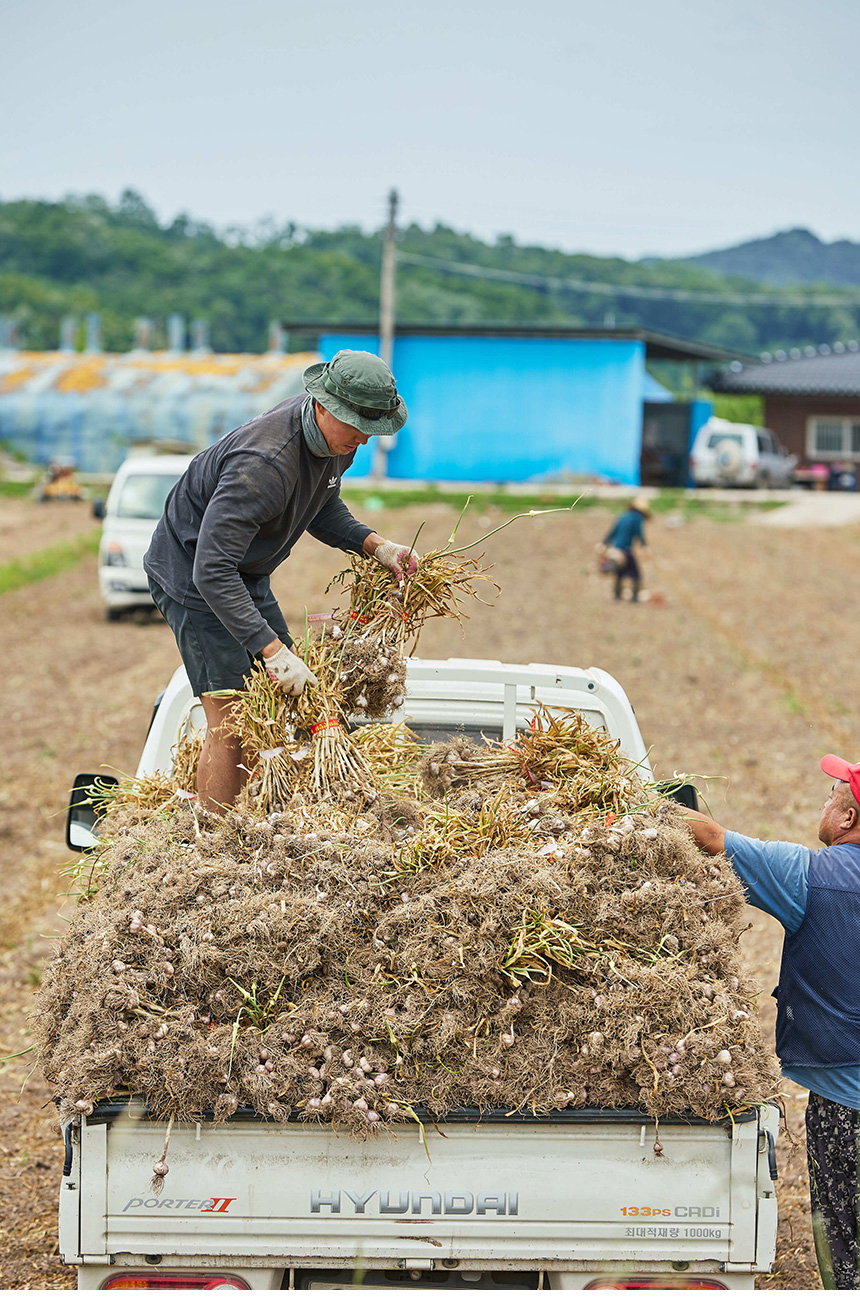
[510,404]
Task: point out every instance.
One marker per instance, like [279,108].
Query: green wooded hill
[788,258]
[85,254]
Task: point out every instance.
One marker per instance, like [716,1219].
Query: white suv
[739,455]
[134,505]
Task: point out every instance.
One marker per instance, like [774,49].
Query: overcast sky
[614,127]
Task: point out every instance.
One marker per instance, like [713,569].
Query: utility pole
[386,320]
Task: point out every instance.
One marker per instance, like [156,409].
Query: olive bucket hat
[358,388]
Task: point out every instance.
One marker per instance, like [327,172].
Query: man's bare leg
[219,778]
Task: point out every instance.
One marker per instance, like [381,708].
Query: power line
[549,282]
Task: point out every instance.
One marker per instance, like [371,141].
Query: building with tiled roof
[811,398]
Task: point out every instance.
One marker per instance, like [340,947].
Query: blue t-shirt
[625,530]
[775,875]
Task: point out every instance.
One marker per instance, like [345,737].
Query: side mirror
[82,821]
[683,793]
[98,509]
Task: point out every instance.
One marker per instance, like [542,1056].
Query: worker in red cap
[815,895]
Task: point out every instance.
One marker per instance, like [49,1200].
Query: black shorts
[214,660]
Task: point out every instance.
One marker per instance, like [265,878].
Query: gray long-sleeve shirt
[236,513]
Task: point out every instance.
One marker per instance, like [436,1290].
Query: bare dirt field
[744,675]
[26,528]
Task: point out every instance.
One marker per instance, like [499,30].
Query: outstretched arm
[707,834]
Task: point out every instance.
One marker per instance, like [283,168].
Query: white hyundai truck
[577,1199]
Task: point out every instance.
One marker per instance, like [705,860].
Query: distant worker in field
[235,515]
[620,546]
[815,895]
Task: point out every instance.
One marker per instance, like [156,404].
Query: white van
[728,454]
[133,507]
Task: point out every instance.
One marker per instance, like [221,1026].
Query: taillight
[138,1281]
[642,1283]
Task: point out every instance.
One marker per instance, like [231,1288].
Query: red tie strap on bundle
[323,724]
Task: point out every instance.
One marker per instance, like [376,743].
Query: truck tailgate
[522,1193]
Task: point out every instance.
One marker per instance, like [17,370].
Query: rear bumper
[428,1275]
[713,480]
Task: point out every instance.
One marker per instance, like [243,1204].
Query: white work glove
[397,559]
[291,672]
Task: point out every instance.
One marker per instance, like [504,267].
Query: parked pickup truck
[577,1199]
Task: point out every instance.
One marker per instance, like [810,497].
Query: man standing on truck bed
[235,515]
[815,895]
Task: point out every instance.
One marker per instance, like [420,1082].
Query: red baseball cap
[835,767]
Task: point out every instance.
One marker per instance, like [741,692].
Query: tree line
[84,254]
